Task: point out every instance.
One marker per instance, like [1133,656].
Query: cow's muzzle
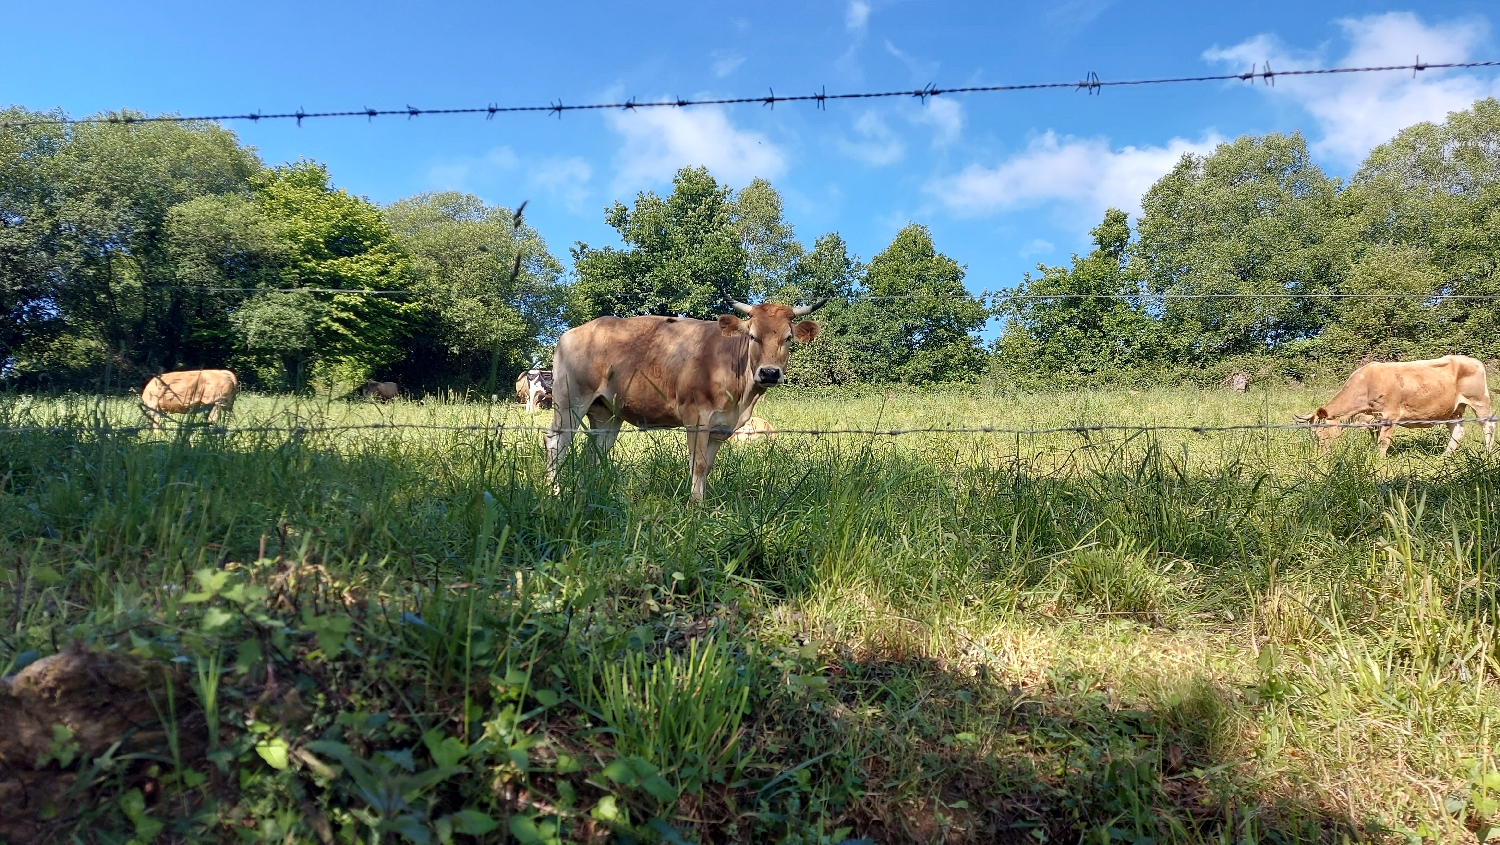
[768,375]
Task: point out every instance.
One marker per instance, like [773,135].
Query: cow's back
[648,366]
[188,390]
[1430,389]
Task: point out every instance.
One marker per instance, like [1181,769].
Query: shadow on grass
[923,755]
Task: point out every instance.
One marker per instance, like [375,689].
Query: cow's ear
[730,325]
[805,331]
[1320,415]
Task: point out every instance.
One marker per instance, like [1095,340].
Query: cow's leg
[1387,434]
[559,436]
[153,416]
[702,449]
[604,429]
[1455,434]
[1482,410]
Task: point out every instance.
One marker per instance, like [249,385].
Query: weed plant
[398,635]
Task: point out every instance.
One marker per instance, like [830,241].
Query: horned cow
[1414,394]
[670,372]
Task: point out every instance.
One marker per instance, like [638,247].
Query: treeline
[1398,264]
[129,249]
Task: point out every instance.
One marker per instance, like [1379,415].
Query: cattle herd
[706,376]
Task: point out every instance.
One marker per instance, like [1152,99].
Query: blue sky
[1004,180]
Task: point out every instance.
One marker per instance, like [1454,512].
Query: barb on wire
[1091,83]
[499,428]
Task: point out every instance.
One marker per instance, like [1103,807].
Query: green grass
[1090,637]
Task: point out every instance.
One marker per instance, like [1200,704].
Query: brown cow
[380,391]
[189,391]
[1416,394]
[753,429]
[534,387]
[670,372]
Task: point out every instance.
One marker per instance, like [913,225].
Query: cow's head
[1325,429]
[770,330]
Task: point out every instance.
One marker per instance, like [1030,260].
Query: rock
[1237,382]
[99,698]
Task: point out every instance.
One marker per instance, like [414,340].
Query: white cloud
[726,62]
[1037,246]
[1083,171]
[856,15]
[659,142]
[877,145]
[945,116]
[1356,112]
[463,174]
[566,179]
[922,70]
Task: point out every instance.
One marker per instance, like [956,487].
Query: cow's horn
[740,306]
[804,310]
[1302,417]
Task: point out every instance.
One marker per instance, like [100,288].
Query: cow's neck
[750,392]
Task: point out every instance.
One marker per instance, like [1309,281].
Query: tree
[222,248]
[1427,208]
[1084,322]
[918,324]
[829,273]
[1254,217]
[87,207]
[683,255]
[337,241]
[771,248]
[475,316]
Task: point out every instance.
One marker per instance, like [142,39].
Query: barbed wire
[991,295]
[1090,83]
[500,428]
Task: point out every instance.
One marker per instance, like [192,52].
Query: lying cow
[534,387]
[754,428]
[1416,394]
[190,391]
[670,372]
[380,391]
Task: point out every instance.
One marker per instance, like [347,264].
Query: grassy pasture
[399,636]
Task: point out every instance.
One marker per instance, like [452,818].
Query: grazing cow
[1408,393]
[670,372]
[534,387]
[754,428]
[189,391]
[380,391]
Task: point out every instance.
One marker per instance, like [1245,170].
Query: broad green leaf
[659,788]
[472,822]
[274,751]
[215,618]
[546,697]
[609,811]
[401,757]
[525,831]
[620,771]
[445,750]
[46,575]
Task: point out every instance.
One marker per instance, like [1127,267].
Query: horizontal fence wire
[497,428]
[996,297]
[1090,83]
